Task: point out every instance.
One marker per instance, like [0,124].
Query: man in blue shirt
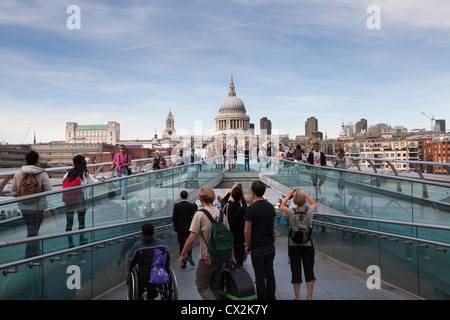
[148,242]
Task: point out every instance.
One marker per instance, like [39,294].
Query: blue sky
[133,60]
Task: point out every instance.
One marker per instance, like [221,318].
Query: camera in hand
[293,194]
[239,185]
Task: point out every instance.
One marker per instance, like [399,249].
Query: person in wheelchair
[140,266]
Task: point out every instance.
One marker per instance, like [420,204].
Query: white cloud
[300,58]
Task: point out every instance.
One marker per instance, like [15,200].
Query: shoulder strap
[226,210]
[210,216]
[210,219]
[297,211]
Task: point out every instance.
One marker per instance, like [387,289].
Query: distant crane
[431,118]
[25,137]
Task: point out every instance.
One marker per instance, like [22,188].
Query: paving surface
[335,281]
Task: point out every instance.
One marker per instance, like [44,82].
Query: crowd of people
[249,216]
[5,215]
[253,226]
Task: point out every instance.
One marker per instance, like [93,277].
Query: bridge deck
[335,281]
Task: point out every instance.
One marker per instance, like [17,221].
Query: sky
[131,61]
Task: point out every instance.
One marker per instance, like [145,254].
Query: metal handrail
[55,191]
[390,236]
[93,229]
[402,223]
[373,174]
[438,246]
[98,244]
[8,175]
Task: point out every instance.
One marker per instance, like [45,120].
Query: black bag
[236,284]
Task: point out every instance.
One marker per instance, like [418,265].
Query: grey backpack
[301,229]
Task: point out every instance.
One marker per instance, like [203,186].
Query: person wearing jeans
[247,160]
[121,162]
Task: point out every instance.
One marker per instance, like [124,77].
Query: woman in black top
[158,161]
[235,214]
[247,159]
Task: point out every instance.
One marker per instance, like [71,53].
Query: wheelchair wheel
[133,286]
[171,289]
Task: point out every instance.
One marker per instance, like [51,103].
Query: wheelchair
[139,287]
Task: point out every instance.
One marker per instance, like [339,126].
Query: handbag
[158,273]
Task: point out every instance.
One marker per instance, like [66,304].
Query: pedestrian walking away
[183,212]
[209,272]
[260,241]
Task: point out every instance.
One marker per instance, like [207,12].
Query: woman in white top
[341,162]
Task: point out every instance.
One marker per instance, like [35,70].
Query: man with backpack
[31,179]
[300,242]
[213,255]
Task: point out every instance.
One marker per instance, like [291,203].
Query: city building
[56,154]
[13,155]
[170,132]
[311,125]
[439,125]
[101,133]
[361,127]
[265,126]
[436,149]
[402,148]
[379,129]
[232,118]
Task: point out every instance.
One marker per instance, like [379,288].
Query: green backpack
[221,243]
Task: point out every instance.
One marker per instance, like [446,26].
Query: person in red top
[121,162]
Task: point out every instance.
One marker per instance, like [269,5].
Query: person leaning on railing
[32,210]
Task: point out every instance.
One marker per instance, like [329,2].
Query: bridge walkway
[335,280]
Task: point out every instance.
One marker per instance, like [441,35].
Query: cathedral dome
[232,103]
[232,116]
